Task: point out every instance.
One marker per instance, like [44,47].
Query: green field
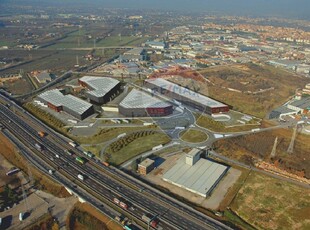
[268,203]
[194,136]
[72,42]
[137,147]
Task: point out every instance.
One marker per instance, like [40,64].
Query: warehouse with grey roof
[197,175]
[74,106]
[186,96]
[100,90]
[140,104]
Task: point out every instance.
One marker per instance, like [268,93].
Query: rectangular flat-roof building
[146,166]
[186,96]
[140,104]
[302,106]
[133,55]
[201,178]
[100,89]
[193,156]
[72,105]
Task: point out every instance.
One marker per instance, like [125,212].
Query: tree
[106,156]
[134,165]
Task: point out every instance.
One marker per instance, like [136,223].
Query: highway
[107,183]
[43,167]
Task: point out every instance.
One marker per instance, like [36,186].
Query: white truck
[81,177]
[73,144]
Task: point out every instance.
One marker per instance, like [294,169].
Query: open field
[268,203]
[84,216]
[249,79]
[8,151]
[136,147]
[255,146]
[18,86]
[72,42]
[193,136]
[56,61]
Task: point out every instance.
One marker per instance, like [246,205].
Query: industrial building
[45,77]
[140,104]
[192,157]
[146,166]
[156,45]
[133,55]
[100,89]
[186,96]
[300,106]
[74,106]
[281,111]
[196,175]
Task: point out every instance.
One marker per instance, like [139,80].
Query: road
[106,183]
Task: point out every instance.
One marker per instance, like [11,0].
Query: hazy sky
[284,8]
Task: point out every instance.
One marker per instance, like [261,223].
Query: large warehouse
[186,96]
[197,175]
[74,106]
[100,89]
[141,104]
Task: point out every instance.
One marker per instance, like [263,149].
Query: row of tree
[123,142]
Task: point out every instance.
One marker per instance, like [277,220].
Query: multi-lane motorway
[103,182]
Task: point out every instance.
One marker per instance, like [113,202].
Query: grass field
[217,126]
[137,147]
[193,136]
[251,77]
[268,203]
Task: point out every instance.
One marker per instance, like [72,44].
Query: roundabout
[193,135]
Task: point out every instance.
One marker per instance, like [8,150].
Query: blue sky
[284,8]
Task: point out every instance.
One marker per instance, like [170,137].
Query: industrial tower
[273,152]
[291,146]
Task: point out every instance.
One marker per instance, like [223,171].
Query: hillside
[250,88]
[259,146]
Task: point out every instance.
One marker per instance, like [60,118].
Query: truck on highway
[38,147]
[120,202]
[90,154]
[123,205]
[81,160]
[105,163]
[81,177]
[149,219]
[73,144]
[41,134]
[116,200]
[69,152]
